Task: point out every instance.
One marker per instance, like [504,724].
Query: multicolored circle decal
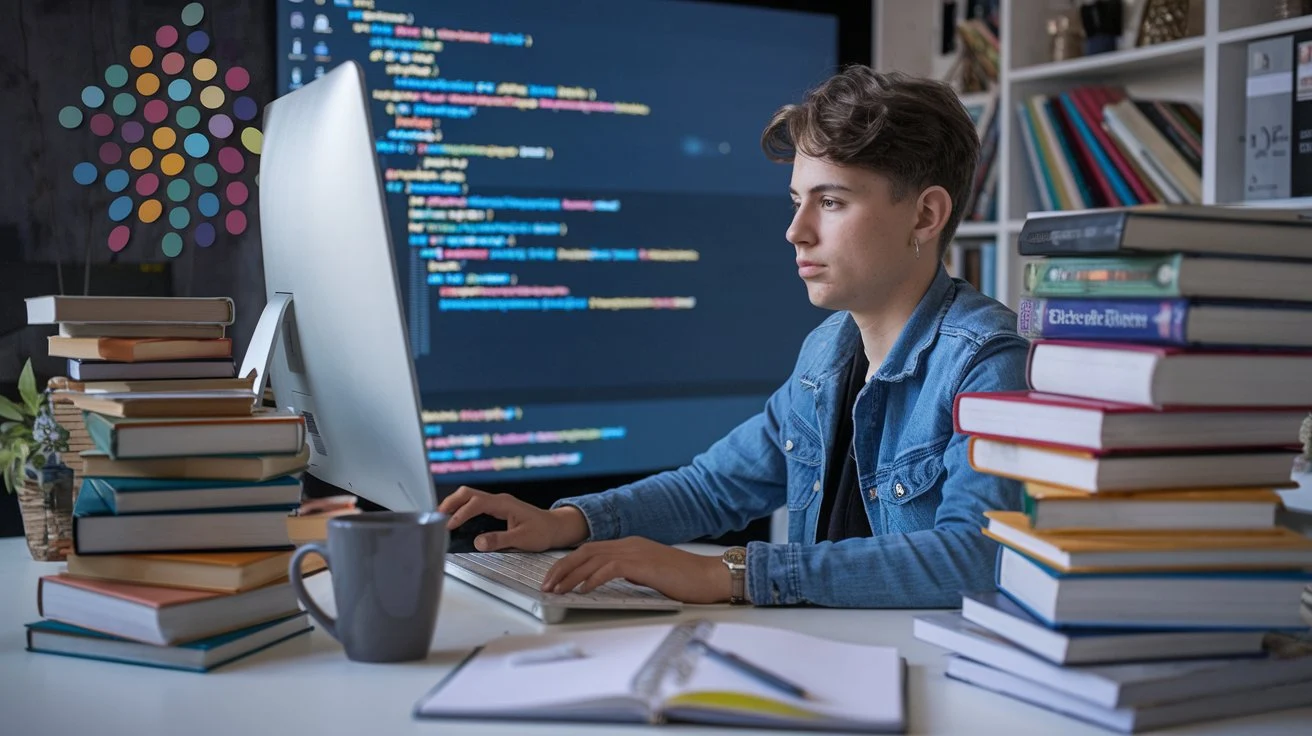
[176,140]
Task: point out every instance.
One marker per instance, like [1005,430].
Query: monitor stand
[260,349]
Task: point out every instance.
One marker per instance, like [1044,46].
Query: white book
[652,674]
[1204,599]
[1160,376]
[1132,719]
[1114,685]
[1086,645]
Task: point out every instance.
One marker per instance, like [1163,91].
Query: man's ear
[933,208]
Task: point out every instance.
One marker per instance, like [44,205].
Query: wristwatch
[735,558]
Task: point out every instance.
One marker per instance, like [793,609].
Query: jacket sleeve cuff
[773,574]
[602,516]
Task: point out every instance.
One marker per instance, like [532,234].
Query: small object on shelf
[1066,37]
[1285,9]
[1102,21]
[1169,20]
[976,67]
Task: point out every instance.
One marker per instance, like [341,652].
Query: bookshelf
[1208,69]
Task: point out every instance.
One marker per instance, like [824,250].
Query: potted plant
[30,443]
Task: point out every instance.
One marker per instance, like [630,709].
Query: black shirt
[842,513]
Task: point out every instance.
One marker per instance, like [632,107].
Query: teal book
[203,655]
[98,530]
[263,433]
[147,495]
[1169,276]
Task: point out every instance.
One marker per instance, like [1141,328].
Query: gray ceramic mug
[387,570]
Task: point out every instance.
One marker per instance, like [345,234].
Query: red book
[1166,376]
[1090,101]
[1097,172]
[1100,427]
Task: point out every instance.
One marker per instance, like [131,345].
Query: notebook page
[492,684]
[853,682]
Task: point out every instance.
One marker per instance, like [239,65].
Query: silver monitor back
[342,356]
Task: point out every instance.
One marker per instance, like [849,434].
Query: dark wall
[51,227]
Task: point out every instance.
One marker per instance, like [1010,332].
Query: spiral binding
[672,657]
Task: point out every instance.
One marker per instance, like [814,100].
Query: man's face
[853,242]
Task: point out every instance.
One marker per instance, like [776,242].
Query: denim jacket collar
[903,360]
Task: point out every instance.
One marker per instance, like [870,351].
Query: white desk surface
[307,686]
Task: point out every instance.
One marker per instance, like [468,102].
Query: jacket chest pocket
[910,491]
[803,449]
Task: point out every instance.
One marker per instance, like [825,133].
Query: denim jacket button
[899,491]
[788,446]
[815,486]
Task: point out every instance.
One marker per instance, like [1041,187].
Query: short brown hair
[914,131]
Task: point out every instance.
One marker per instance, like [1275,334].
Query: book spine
[102,433]
[1268,115]
[1032,155]
[1088,232]
[1082,110]
[988,269]
[1124,320]
[1187,134]
[1052,165]
[1066,149]
[1100,98]
[1104,277]
[1300,164]
[1173,136]
[1030,507]
[1103,172]
[1082,162]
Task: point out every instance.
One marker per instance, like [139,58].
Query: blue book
[203,655]
[988,269]
[144,495]
[98,530]
[1167,322]
[1105,164]
[1161,600]
[1087,645]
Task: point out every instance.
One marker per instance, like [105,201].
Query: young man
[884,509]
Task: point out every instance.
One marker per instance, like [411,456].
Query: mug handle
[328,623]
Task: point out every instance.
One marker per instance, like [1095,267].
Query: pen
[751,670]
[557,653]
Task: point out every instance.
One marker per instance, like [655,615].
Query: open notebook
[650,674]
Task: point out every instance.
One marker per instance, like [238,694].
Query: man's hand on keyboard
[680,575]
[528,527]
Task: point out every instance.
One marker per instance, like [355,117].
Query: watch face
[736,556]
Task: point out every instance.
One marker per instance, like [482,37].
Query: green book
[1173,275]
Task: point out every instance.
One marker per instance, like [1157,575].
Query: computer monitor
[588,238]
[342,356]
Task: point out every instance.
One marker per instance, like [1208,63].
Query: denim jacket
[924,501]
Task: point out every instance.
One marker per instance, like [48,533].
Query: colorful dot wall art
[175,141]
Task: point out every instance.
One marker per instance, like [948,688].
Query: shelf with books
[1187,52]
[1208,72]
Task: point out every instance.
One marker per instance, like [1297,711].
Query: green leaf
[10,410]
[27,388]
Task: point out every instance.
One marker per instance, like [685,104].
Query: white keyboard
[516,577]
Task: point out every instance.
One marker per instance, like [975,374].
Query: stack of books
[1097,147]
[180,523]
[1148,581]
